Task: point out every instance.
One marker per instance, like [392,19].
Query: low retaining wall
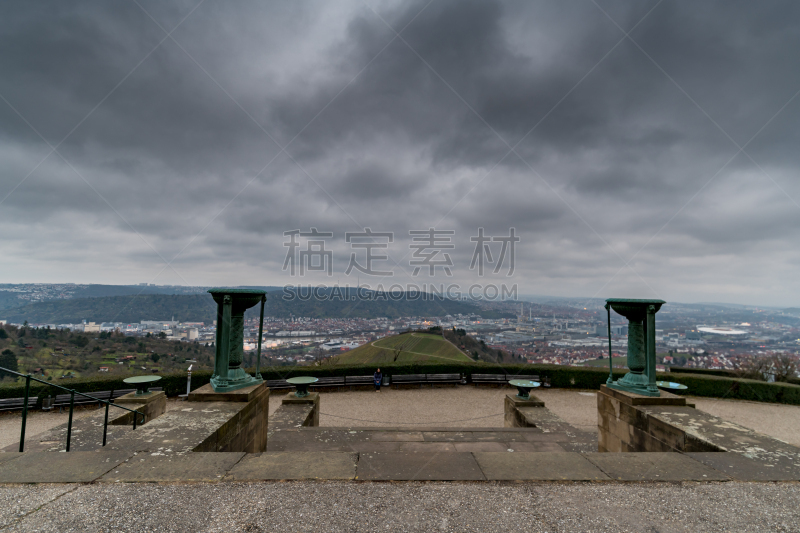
[626,424]
[515,411]
[152,405]
[247,429]
[296,412]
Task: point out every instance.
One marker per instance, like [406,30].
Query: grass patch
[402,349]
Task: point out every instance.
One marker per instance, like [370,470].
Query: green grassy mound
[406,348]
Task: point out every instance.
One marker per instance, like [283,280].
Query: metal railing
[73,392]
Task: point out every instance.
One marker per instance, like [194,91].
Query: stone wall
[152,405]
[296,412]
[515,411]
[629,422]
[246,430]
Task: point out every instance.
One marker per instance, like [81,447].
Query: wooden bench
[121,392]
[533,377]
[496,379]
[358,381]
[278,384]
[409,379]
[442,378]
[335,381]
[11,404]
[62,400]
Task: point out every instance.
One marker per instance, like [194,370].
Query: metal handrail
[73,392]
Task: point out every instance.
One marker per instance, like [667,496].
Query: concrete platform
[295,466]
[538,467]
[192,467]
[556,437]
[397,464]
[407,466]
[743,468]
[48,467]
[8,456]
[654,466]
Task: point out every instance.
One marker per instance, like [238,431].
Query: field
[618,361]
[407,348]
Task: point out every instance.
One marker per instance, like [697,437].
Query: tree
[756,368]
[784,367]
[3,333]
[79,340]
[155,357]
[8,360]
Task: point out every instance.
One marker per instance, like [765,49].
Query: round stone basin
[524,387]
[301,383]
[671,385]
[141,383]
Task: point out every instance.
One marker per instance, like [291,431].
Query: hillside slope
[200,307]
[404,348]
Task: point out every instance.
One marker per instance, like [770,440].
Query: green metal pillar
[231,305]
[610,352]
[641,315]
[260,333]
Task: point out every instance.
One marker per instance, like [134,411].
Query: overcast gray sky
[641,149]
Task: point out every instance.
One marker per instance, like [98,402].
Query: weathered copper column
[231,305]
[641,315]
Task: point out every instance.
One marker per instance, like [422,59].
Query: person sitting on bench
[377,377]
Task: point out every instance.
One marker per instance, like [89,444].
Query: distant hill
[406,348]
[200,307]
[10,298]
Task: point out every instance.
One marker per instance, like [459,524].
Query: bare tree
[755,368]
[784,366]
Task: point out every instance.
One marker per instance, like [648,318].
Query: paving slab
[579,447]
[56,467]
[481,446]
[455,466]
[427,447]
[537,435]
[377,446]
[538,467]
[294,465]
[402,436]
[281,441]
[9,456]
[498,436]
[197,466]
[654,466]
[743,468]
[538,447]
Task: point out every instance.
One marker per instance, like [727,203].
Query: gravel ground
[412,506]
[38,422]
[446,407]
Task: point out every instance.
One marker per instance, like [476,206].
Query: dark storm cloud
[624,151]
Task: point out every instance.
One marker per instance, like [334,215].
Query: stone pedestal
[152,405]
[514,417]
[625,424]
[246,431]
[296,412]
